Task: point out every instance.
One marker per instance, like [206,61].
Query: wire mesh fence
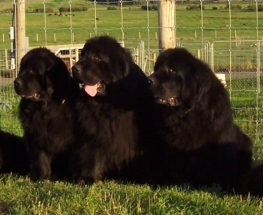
[228,35]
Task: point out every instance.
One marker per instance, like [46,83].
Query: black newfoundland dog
[46,110]
[202,145]
[115,134]
[13,154]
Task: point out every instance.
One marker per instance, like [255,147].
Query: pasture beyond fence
[227,34]
[241,66]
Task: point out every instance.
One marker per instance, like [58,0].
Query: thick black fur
[115,134]
[202,145]
[252,184]
[46,110]
[13,154]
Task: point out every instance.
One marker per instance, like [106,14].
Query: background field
[136,24]
[229,40]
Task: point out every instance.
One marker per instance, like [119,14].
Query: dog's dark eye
[31,71]
[171,70]
[95,58]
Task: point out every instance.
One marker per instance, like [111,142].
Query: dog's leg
[40,166]
[84,168]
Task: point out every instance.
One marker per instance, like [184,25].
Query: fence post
[20,31]
[142,56]
[6,59]
[212,64]
[166,10]
[77,54]
[198,54]
[258,67]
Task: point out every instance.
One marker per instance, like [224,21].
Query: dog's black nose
[151,80]
[76,68]
[17,82]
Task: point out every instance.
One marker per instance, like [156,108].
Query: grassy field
[193,28]
[20,196]
[135,24]
[113,198]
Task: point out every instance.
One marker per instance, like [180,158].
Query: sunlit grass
[132,22]
[21,196]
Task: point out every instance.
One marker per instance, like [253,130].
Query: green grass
[137,25]
[135,22]
[9,110]
[21,196]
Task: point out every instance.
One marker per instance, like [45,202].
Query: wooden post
[37,37]
[20,31]
[3,38]
[55,39]
[166,10]
[137,55]
[122,36]
[71,63]
[154,57]
[6,59]
[140,36]
[198,53]
[76,55]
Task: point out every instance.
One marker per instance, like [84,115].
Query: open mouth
[35,96]
[93,90]
[173,101]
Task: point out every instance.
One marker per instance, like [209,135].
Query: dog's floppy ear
[197,80]
[200,73]
[203,77]
[47,65]
[124,59]
[49,60]
[57,76]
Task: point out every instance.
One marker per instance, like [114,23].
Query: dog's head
[41,75]
[103,61]
[179,78]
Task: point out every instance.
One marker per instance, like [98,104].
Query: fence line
[227,34]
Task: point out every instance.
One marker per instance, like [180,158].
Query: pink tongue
[91,90]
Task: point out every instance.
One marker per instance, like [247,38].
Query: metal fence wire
[227,34]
